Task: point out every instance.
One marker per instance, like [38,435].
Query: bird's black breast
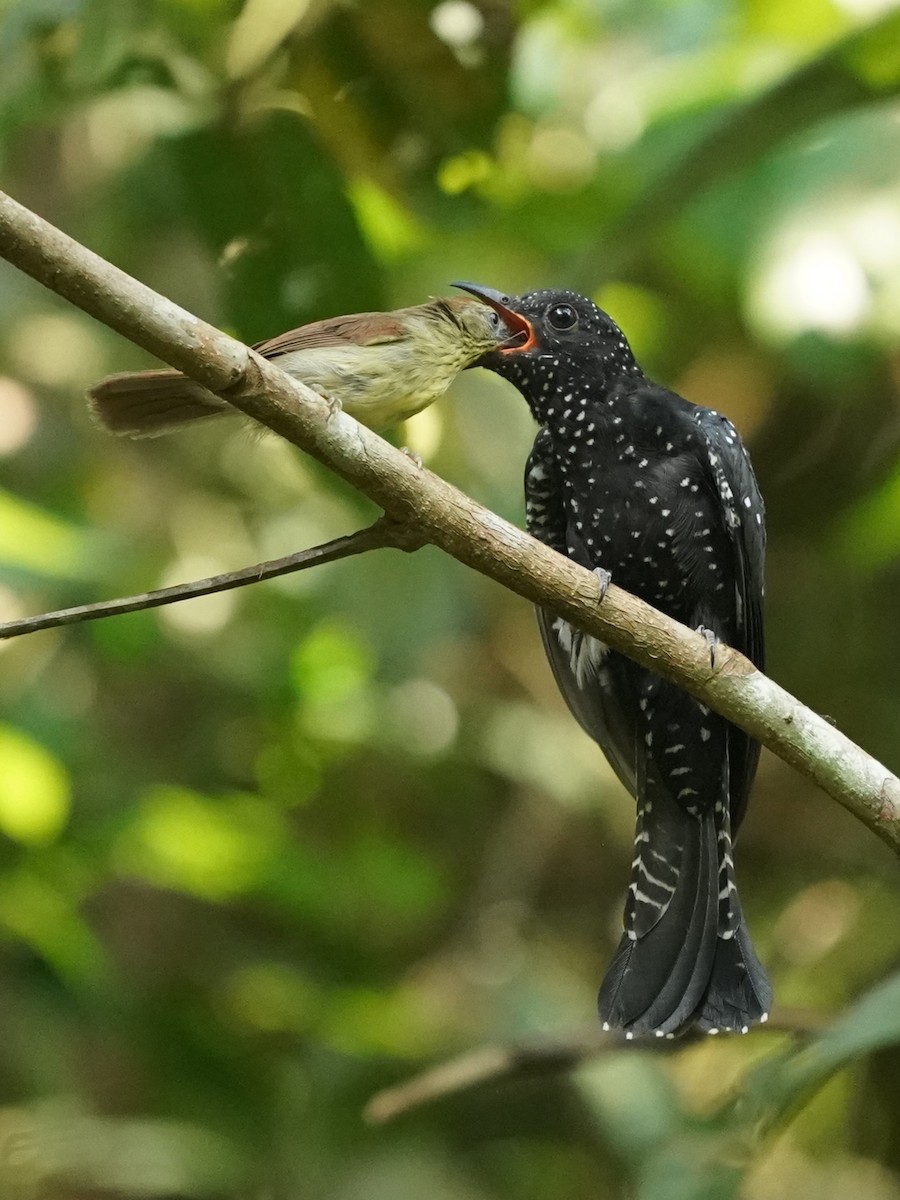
[660,493]
[639,500]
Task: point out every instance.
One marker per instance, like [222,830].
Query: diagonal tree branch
[382,535]
[490,1065]
[445,517]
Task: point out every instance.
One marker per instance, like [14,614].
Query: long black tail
[685,957]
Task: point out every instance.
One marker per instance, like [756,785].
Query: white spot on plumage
[585,653]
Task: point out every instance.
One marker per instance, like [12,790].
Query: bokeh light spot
[18,416]
[212,848]
[57,349]
[457,23]
[34,789]
[424,717]
[205,615]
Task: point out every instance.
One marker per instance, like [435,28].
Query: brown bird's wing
[361,329]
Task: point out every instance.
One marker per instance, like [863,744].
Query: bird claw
[411,454]
[712,642]
[604,579]
[334,405]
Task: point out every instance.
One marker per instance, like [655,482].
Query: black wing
[575,658]
[732,477]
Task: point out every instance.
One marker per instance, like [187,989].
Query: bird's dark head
[557,334]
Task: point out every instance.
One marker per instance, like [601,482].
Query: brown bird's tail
[148,403]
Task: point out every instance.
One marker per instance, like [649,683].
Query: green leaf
[781,1085]
[859,69]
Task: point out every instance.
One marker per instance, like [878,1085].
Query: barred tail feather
[662,967]
[148,403]
[739,993]
[686,958]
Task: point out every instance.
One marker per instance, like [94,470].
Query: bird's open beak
[522,337]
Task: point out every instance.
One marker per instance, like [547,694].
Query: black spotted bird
[628,477]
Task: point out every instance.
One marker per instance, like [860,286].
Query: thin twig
[503,1064]
[381,535]
[447,518]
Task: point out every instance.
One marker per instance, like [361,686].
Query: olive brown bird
[380,367]
[627,477]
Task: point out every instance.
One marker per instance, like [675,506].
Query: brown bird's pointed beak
[523,337]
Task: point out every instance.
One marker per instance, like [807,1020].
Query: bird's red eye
[562,317]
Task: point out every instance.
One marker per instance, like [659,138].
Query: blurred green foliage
[265,853]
